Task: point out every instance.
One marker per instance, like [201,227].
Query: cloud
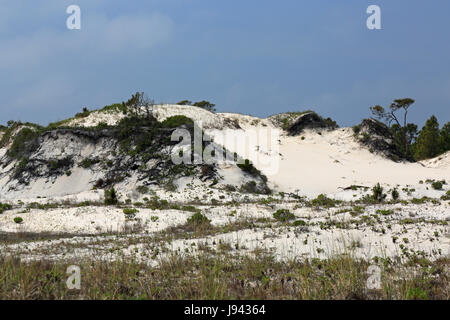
[51,71]
[98,36]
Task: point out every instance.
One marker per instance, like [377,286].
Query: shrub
[18,220]
[60,164]
[395,194]
[130,212]
[356,129]
[437,185]
[230,188]
[4,207]
[446,196]
[198,219]
[86,163]
[385,212]
[323,201]
[416,294]
[377,193]
[83,114]
[102,125]
[142,189]
[111,196]
[206,105]
[177,121]
[283,215]
[24,143]
[190,209]
[249,187]
[298,223]
[248,167]
[84,204]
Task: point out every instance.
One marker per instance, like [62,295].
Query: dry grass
[222,276]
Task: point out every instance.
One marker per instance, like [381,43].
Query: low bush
[283,215]
[437,185]
[323,201]
[298,223]
[197,219]
[395,195]
[4,207]
[177,121]
[111,196]
[385,212]
[142,189]
[18,220]
[130,212]
[377,193]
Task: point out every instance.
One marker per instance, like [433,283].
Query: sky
[253,57]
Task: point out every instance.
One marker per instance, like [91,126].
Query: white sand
[320,163]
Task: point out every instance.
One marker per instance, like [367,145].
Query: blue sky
[253,57]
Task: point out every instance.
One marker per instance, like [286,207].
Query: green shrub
[283,215]
[87,163]
[395,195]
[249,187]
[416,294]
[437,185]
[4,207]
[84,204]
[420,200]
[130,211]
[83,114]
[385,212]
[18,220]
[60,164]
[323,201]
[446,196]
[298,223]
[24,143]
[190,209]
[142,189]
[111,196]
[356,129]
[198,219]
[177,121]
[248,167]
[377,193]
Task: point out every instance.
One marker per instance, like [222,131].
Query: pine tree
[428,141]
[404,132]
[444,139]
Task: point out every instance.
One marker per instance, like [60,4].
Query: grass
[222,276]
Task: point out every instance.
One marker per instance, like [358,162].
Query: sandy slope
[324,163]
[313,163]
